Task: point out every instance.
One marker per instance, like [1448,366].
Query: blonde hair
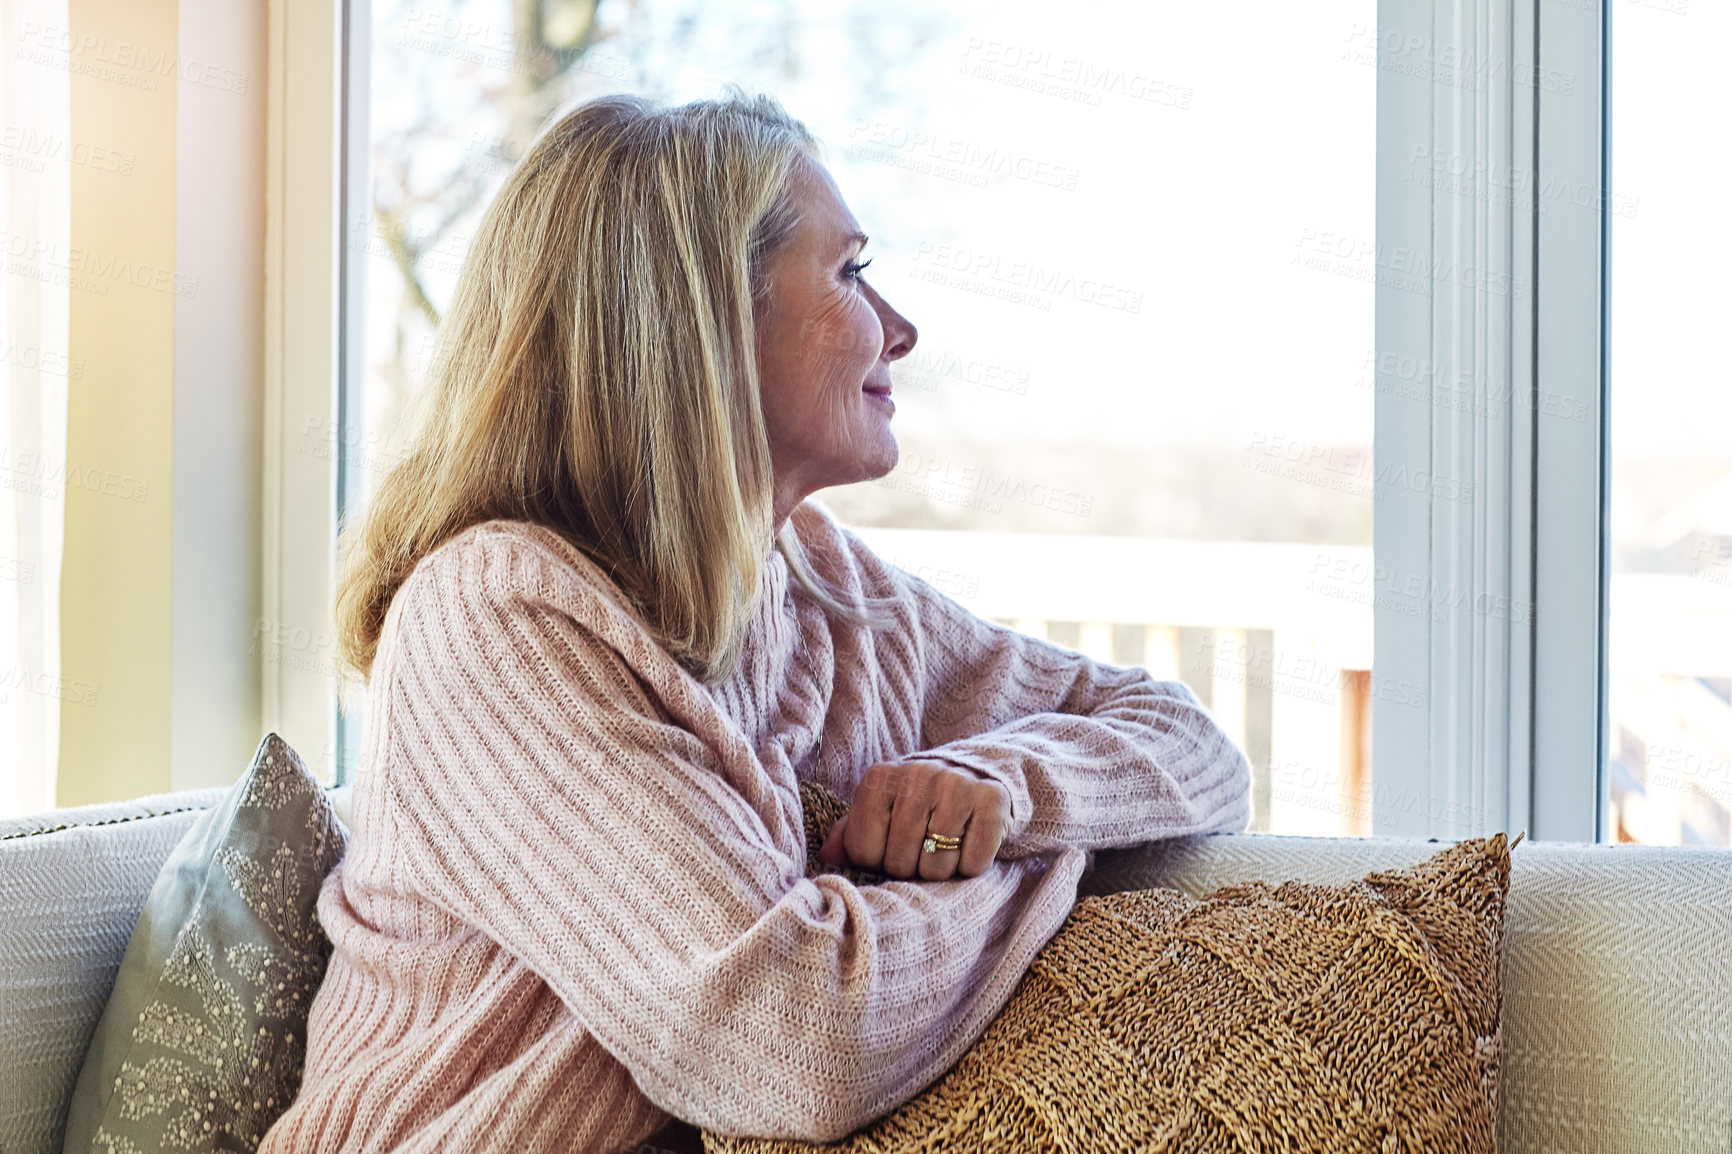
[596,374]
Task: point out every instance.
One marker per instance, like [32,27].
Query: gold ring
[936,841]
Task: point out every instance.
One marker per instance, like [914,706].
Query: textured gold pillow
[1292,1017]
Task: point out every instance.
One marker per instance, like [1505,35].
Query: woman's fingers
[831,852]
[987,826]
[952,809]
[909,818]
[869,817]
[897,805]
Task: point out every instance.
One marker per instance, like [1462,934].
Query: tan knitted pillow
[1295,1017]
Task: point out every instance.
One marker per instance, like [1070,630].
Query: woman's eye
[853,269]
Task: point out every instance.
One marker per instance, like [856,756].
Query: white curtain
[36,153]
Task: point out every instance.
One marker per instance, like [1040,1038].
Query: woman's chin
[884,461]
[869,457]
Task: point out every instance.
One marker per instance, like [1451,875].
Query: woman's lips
[880,395]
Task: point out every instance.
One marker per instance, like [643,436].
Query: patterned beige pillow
[201,1043]
[1292,1017]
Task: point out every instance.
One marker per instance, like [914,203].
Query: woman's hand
[896,805]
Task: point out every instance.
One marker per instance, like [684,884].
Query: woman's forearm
[1093,754]
[1148,762]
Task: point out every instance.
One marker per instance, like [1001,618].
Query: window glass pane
[1669,758]
[1137,242]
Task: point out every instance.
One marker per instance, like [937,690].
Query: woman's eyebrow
[857,240]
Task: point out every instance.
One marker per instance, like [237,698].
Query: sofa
[1617,965]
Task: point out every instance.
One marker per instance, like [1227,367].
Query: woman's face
[825,343]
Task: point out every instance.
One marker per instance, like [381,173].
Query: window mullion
[1569,436]
[302,236]
[1454,288]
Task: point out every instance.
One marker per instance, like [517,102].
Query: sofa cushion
[201,1043]
[71,884]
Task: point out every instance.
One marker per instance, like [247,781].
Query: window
[1669,757]
[1207,301]
[1138,421]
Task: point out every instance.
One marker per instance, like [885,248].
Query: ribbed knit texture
[575,900]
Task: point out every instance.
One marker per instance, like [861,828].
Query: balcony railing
[1276,640]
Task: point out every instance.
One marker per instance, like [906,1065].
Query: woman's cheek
[868,335]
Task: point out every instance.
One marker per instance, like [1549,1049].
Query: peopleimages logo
[35,359]
[975,487]
[120,61]
[953,158]
[957,583]
[1406,269]
[24,147]
[67,689]
[1300,675]
[1449,63]
[1713,562]
[1038,69]
[1410,594]
[501,47]
[295,647]
[1412,378]
[1294,783]
[926,369]
[1351,471]
[1462,175]
[1020,282]
[88,269]
[33,474]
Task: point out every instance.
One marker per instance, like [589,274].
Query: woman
[606,637]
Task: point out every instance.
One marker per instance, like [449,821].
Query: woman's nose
[899,333]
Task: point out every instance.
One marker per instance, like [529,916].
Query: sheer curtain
[36,154]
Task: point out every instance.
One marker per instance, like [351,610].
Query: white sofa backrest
[1617,966]
[71,885]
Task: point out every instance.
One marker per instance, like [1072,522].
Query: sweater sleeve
[544,798]
[1094,755]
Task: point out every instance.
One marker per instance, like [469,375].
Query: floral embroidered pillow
[201,1044]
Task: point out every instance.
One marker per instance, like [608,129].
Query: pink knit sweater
[575,897]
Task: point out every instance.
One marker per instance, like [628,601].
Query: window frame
[354,210]
[1510,638]
[1572,474]
[303,249]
